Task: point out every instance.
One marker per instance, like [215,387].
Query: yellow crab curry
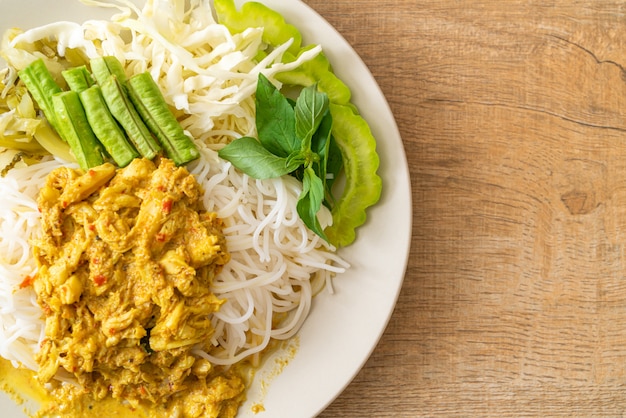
[125,261]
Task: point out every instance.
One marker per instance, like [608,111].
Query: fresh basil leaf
[310,201]
[294,138]
[311,106]
[320,139]
[249,156]
[275,119]
[320,144]
[330,161]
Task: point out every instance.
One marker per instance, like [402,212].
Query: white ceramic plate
[343,328]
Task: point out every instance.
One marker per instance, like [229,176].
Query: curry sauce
[125,262]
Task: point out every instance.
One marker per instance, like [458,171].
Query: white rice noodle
[277,264]
[21,323]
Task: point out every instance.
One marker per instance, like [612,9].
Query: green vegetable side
[350,131]
[293,139]
[104,111]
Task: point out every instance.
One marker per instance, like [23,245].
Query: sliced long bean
[104,67]
[151,105]
[105,127]
[124,112]
[78,78]
[42,87]
[75,129]
[105,111]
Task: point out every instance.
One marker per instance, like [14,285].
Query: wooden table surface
[513,117]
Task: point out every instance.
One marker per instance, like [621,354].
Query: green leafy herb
[311,108]
[249,155]
[294,138]
[275,120]
[310,201]
[323,144]
[351,134]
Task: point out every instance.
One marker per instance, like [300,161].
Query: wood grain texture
[513,117]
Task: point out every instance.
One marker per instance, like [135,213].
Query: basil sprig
[293,138]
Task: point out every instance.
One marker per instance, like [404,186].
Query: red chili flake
[112,331]
[92,173]
[167,205]
[161,237]
[99,279]
[91,227]
[47,310]
[28,281]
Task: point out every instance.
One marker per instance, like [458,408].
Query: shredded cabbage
[207,75]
